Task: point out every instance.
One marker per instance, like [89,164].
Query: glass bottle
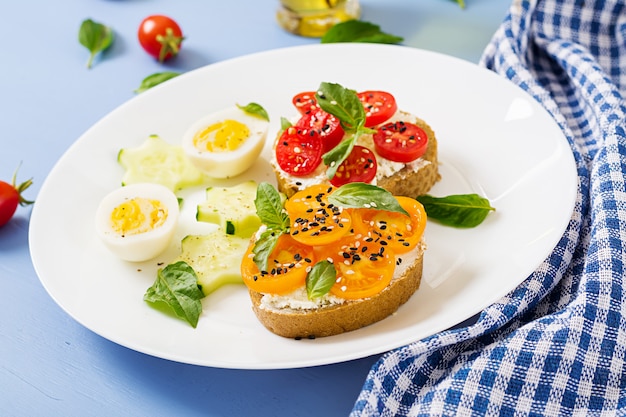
[312,18]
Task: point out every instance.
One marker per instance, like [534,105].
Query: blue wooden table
[50,365]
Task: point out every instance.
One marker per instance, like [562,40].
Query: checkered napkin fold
[556,345]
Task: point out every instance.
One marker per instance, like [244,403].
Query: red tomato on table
[11,197]
[160,36]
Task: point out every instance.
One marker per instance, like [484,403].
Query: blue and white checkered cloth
[555,346]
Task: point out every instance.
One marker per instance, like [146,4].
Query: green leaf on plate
[255,109]
[362,195]
[320,279]
[459,210]
[176,285]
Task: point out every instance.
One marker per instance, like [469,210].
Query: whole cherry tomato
[11,197]
[160,36]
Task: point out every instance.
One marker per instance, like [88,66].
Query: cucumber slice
[157,161]
[215,257]
[232,208]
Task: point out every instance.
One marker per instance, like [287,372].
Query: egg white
[229,163]
[141,246]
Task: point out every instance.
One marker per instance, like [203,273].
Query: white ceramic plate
[494,140]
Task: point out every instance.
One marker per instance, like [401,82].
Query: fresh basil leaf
[342,103]
[345,105]
[269,207]
[94,36]
[285,124]
[177,286]
[358,31]
[264,246]
[255,109]
[459,210]
[362,195]
[155,79]
[337,155]
[320,279]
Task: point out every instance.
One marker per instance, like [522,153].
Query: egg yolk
[138,215]
[224,136]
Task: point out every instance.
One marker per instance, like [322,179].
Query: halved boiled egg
[137,222]
[226,143]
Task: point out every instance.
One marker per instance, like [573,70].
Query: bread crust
[405,182]
[351,315]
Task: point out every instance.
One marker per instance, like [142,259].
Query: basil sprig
[176,285]
[94,36]
[255,109]
[457,210]
[362,195]
[358,31]
[269,207]
[320,279]
[345,105]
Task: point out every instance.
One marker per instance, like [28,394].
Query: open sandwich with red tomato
[329,260]
[342,136]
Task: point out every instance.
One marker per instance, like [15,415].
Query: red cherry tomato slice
[400,141]
[359,166]
[160,36]
[327,126]
[297,153]
[305,102]
[379,106]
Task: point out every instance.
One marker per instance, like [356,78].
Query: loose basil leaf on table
[155,79]
[458,210]
[94,36]
[358,31]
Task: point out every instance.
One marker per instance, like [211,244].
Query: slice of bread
[412,179]
[350,315]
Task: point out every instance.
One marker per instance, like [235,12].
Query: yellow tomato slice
[288,264]
[314,221]
[364,268]
[401,232]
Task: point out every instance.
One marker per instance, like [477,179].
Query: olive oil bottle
[312,18]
